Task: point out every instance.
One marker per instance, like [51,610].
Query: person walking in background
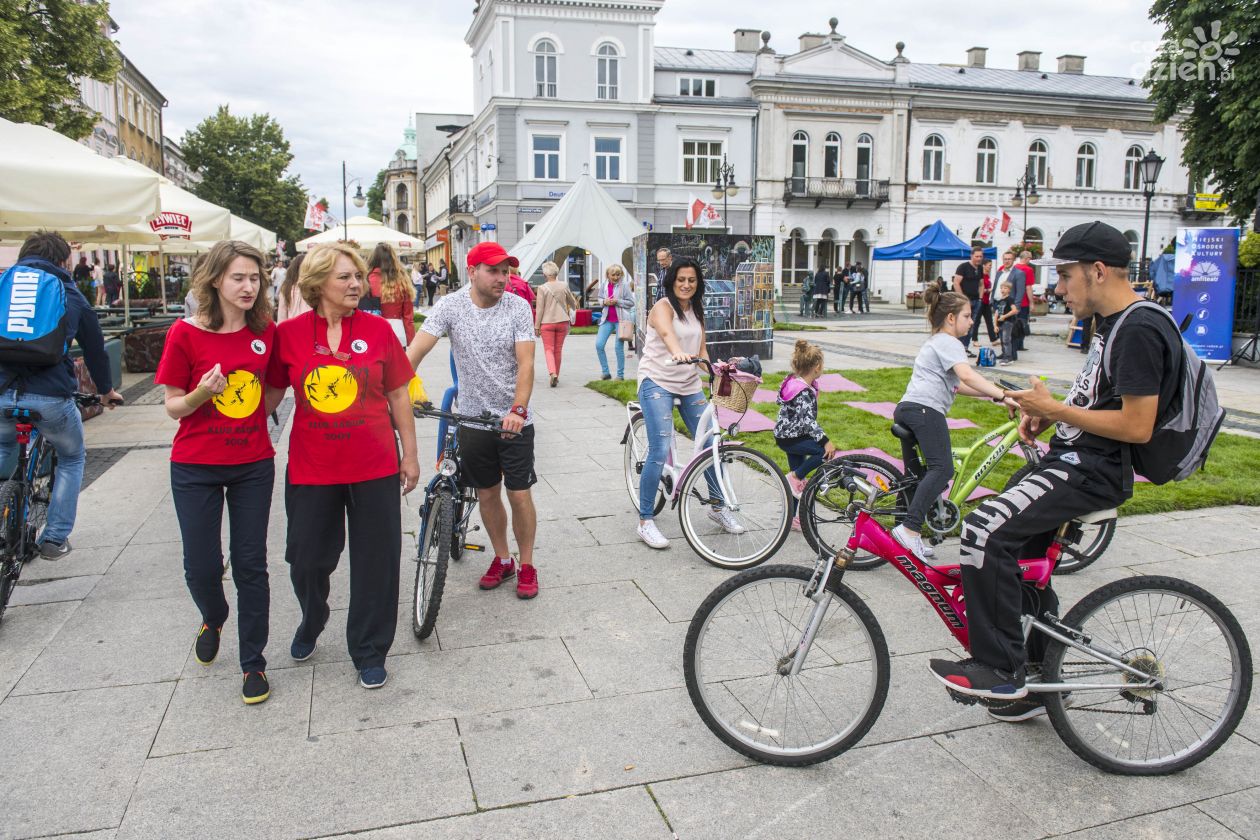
[431,284]
[417,281]
[351,411]
[986,308]
[98,283]
[83,278]
[556,304]
[822,291]
[839,288]
[966,282]
[391,285]
[807,293]
[113,286]
[858,290]
[618,301]
[276,281]
[1023,297]
[291,302]
[446,282]
[796,429]
[213,368]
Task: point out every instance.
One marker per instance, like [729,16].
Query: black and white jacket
[798,412]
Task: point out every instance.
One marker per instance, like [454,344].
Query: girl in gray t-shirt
[940,371]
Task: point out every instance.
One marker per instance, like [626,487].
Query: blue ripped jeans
[658,416]
[606,329]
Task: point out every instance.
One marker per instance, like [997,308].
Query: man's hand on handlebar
[512,424]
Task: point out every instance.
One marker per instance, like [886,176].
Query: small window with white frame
[697,86]
[701,159]
[608,62]
[545,69]
[546,153]
[608,153]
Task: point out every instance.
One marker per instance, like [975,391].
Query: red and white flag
[993,224]
[1004,219]
[316,215]
[702,214]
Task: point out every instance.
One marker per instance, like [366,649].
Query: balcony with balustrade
[860,191]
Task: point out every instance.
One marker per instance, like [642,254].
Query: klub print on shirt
[330,390]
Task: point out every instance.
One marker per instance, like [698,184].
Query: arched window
[934,158]
[607,73]
[1086,165]
[986,161]
[545,69]
[1039,161]
[1034,236]
[831,156]
[400,223]
[800,158]
[400,197]
[865,150]
[1133,168]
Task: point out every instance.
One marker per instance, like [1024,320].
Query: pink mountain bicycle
[787,665]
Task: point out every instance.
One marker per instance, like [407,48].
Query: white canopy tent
[367,232]
[252,234]
[49,181]
[587,216]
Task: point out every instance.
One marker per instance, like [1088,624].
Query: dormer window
[697,86]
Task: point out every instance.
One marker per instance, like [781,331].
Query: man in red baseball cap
[492,342]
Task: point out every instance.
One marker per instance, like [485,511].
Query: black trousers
[932,433]
[1024,313]
[1018,524]
[318,514]
[986,313]
[198,491]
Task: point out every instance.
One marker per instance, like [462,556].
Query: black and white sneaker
[975,679]
[1018,710]
[50,550]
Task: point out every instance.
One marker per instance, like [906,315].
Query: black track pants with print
[1020,523]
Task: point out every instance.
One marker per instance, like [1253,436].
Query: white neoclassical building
[834,150]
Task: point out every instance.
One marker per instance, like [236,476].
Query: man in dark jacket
[822,291]
[50,391]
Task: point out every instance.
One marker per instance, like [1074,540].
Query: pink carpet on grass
[835,382]
[762,395]
[753,421]
[885,409]
[1045,447]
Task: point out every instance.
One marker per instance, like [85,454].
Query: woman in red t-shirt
[391,283]
[214,366]
[349,376]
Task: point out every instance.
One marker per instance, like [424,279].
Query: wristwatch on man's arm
[520,411]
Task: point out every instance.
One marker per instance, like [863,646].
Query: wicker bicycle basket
[734,394]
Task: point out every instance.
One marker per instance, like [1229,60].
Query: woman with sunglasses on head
[349,376]
[213,367]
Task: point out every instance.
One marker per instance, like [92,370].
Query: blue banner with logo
[1206,266]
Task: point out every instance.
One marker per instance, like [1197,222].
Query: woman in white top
[675,333]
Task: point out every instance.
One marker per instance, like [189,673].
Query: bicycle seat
[1097,516]
[23,414]
[900,431]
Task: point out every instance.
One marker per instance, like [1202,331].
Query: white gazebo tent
[365,231]
[252,234]
[587,216]
[49,181]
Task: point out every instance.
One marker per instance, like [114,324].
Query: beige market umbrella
[367,232]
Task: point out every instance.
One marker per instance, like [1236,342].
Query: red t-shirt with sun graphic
[232,427]
[342,432]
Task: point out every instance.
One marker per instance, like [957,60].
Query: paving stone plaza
[565,716]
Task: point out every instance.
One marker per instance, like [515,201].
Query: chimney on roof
[975,56]
[747,40]
[1029,60]
[812,39]
[1072,64]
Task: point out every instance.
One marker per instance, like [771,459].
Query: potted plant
[914,300]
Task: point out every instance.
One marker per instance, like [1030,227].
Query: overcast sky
[342,77]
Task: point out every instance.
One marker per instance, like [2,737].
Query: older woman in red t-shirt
[349,376]
[214,365]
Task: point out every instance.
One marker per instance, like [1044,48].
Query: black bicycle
[444,516]
[25,495]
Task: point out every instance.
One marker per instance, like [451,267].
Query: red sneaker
[527,582]
[500,570]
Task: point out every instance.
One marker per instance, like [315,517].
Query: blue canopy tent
[936,242]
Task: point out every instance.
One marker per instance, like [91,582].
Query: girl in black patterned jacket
[796,430]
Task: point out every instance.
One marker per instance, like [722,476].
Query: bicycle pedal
[964,699]
[474,547]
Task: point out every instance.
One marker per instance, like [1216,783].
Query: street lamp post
[359,200]
[1026,194]
[1150,167]
[724,187]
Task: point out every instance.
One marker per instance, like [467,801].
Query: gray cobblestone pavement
[565,716]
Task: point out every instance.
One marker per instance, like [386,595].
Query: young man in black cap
[1087,469]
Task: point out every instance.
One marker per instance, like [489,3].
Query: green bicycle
[827,510]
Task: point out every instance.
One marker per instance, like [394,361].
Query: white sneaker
[650,534]
[911,540]
[726,520]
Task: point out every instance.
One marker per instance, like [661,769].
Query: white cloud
[343,77]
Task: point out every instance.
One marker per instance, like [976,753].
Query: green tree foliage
[1208,68]
[1249,250]
[376,196]
[242,162]
[46,46]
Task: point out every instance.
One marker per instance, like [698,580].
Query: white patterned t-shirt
[483,342]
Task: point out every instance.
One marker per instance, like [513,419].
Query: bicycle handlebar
[83,399]
[485,420]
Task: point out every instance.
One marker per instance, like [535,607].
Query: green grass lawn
[1232,474]
[791,326]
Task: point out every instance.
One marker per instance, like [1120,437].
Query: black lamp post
[1150,167]
[1026,194]
[359,201]
[724,186]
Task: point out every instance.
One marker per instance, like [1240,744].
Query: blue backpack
[33,319]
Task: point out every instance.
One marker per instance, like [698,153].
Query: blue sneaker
[301,650]
[373,676]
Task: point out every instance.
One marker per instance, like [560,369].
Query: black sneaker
[54,551]
[207,647]
[970,355]
[256,689]
[976,679]
[1018,710]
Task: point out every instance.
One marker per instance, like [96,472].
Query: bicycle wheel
[10,540]
[745,634]
[825,504]
[751,525]
[635,452]
[1167,628]
[431,563]
[43,472]
[1080,553]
